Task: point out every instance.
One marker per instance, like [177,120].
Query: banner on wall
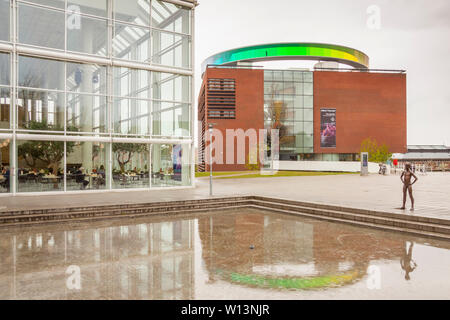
[328,128]
[176,160]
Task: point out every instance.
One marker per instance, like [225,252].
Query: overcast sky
[413,35]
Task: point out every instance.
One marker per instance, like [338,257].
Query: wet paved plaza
[373,192]
[241,254]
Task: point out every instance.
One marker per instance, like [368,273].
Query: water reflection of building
[141,261]
[289,252]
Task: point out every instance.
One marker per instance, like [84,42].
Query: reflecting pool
[241,254]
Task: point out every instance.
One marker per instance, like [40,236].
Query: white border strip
[53,193]
[47,137]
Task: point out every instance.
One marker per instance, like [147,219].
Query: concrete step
[390,221]
[122,206]
[117,217]
[393,220]
[371,213]
[107,212]
[359,223]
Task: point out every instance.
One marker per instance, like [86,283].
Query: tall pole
[210,159]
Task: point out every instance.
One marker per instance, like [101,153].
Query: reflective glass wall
[288,107]
[141,30]
[88,89]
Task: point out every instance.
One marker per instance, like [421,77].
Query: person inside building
[80,178]
[6,176]
[101,176]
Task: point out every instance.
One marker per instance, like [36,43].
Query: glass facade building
[288,107]
[95,95]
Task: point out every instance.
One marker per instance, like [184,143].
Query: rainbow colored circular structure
[290,51]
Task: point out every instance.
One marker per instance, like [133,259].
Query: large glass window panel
[131,42]
[298,88]
[86,34]
[278,75]
[41,26]
[4,21]
[298,128]
[282,112]
[132,11]
[131,116]
[5,69]
[288,114]
[171,49]
[171,165]
[287,128]
[298,102]
[5,166]
[267,87]
[298,115]
[86,113]
[131,82]
[181,117]
[298,76]
[308,127]
[40,110]
[299,141]
[97,7]
[171,87]
[87,165]
[277,88]
[131,166]
[309,141]
[287,76]
[5,107]
[289,103]
[287,143]
[289,88]
[51,3]
[309,114]
[308,102]
[308,88]
[41,73]
[171,17]
[170,119]
[40,166]
[308,77]
[87,78]
[268,75]
[286,135]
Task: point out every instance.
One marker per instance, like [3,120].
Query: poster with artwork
[176,160]
[328,128]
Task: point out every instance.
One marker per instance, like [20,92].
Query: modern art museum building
[322,114]
[95,95]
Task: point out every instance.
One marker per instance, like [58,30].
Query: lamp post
[210,126]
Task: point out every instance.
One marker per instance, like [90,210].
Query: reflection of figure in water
[407,263]
[407,185]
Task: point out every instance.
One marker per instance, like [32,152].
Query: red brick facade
[367,105]
[249,108]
